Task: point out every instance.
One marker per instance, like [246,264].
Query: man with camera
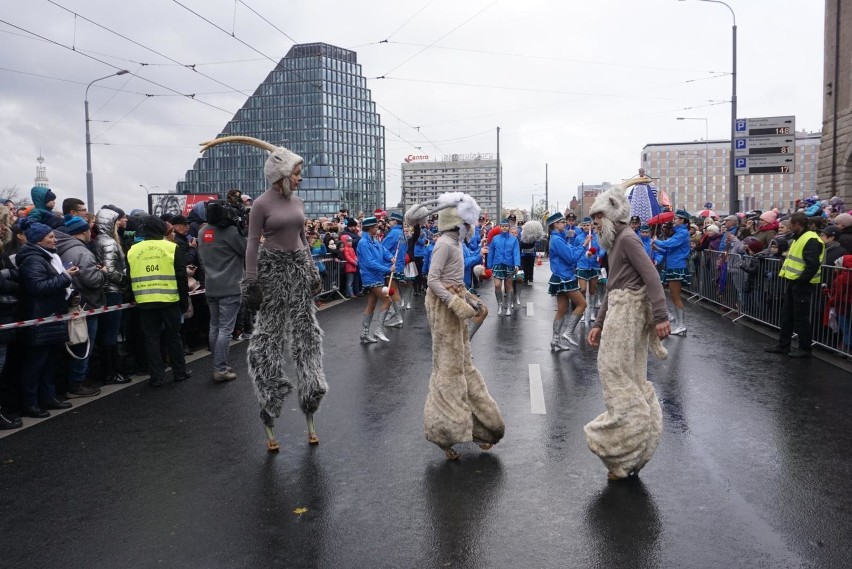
[222,249]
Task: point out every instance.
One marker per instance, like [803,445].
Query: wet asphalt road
[753,469]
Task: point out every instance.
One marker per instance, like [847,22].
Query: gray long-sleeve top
[631,268]
[447,267]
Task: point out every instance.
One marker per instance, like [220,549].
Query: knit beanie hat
[34,231]
[769,216]
[75,224]
[754,245]
[152,227]
[49,197]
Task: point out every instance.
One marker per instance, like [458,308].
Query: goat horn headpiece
[279,165]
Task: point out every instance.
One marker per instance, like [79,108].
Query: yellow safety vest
[794,265]
[152,271]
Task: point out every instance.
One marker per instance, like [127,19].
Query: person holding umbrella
[676,272]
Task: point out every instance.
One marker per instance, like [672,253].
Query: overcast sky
[581,85]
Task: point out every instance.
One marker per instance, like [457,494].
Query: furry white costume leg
[626,435]
[458,407]
[287,316]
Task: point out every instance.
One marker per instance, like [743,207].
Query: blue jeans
[350,278]
[223,316]
[78,369]
[110,322]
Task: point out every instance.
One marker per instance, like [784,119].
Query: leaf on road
[300,511]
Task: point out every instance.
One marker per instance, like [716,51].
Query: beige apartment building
[694,173]
[474,174]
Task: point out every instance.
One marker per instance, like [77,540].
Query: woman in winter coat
[9,292]
[109,253]
[45,291]
[351,263]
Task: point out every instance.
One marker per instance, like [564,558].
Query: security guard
[801,271]
[159,283]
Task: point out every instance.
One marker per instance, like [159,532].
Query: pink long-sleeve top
[281,221]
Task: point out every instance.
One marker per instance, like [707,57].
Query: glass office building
[316,103]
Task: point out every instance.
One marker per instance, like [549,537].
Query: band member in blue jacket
[395,237]
[589,266]
[504,259]
[563,282]
[676,272]
[374,262]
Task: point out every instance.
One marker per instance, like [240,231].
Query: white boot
[366,337]
[571,323]
[556,344]
[517,293]
[394,316]
[679,326]
[380,327]
[507,300]
[499,295]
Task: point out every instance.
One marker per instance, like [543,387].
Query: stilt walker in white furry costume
[280,283]
[458,408]
[632,317]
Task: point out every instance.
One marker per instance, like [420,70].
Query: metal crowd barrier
[330,269]
[746,286]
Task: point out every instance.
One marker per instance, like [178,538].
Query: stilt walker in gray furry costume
[458,407]
[632,318]
[280,283]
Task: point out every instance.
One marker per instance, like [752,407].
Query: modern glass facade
[316,103]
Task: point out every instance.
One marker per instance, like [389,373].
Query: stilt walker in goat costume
[458,408]
[280,282]
[632,317]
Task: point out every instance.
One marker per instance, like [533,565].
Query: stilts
[313,439]
[268,422]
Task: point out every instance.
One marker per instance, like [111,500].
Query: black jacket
[42,294]
[9,295]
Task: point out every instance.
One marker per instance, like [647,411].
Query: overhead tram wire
[559,59]
[152,50]
[113,124]
[254,49]
[256,13]
[417,128]
[74,82]
[69,48]
[437,40]
[417,13]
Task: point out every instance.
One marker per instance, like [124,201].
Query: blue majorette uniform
[504,254]
[676,249]
[563,263]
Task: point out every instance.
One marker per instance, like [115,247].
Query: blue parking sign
[741,143]
[741,163]
[740,126]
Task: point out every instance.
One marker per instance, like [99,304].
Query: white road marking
[530,309]
[536,391]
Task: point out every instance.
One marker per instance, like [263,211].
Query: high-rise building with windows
[316,103]
[473,174]
[694,173]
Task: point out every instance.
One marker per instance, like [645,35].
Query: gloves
[251,293]
[461,308]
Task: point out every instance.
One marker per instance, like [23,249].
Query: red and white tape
[70,315]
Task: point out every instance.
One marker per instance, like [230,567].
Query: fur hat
[74,224]
[613,205]
[280,164]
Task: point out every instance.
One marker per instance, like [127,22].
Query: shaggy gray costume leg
[287,313]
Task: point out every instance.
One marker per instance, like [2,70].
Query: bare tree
[13,193]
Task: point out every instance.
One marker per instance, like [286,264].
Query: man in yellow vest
[801,274]
[159,283]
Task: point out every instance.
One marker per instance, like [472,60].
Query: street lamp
[734,189]
[147,190]
[90,190]
[706,149]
